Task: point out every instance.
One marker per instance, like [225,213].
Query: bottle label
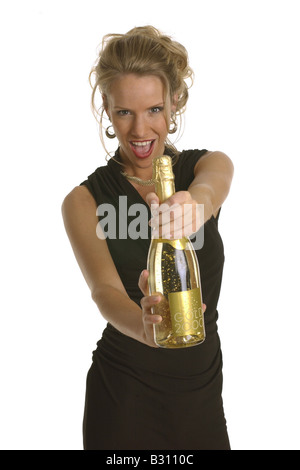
[186,312]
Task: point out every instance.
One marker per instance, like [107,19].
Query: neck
[141,169]
[131,171]
[137,180]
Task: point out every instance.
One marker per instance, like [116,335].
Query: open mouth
[142,149]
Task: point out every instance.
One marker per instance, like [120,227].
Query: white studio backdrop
[245,102]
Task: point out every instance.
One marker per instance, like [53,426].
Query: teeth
[142,144]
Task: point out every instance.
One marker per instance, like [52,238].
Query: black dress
[138,397]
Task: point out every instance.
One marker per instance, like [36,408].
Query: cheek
[164,129]
[120,128]
[161,125]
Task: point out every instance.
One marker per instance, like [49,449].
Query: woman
[139,396]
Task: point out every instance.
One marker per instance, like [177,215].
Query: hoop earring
[174,129]
[110,136]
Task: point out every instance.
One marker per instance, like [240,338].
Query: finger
[153,202]
[176,211]
[164,216]
[180,213]
[176,200]
[152,197]
[180,197]
[177,222]
[152,319]
[147,303]
[182,232]
[143,282]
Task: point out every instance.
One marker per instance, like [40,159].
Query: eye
[123,112]
[156,109]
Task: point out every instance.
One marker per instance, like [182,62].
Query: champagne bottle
[174,273]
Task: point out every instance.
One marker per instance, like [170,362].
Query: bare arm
[99,271]
[211,185]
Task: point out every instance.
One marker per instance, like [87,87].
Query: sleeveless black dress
[138,397]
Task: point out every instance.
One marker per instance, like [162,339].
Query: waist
[119,349]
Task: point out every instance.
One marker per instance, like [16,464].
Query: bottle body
[174,273]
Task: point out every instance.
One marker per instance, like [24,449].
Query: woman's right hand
[147,302]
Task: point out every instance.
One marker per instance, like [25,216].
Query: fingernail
[157,319]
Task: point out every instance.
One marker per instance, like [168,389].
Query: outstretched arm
[100,273]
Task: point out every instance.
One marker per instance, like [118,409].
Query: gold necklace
[138,180]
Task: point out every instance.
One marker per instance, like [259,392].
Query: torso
[143,190]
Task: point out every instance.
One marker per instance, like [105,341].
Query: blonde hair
[142,51]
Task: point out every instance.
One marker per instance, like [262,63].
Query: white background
[245,102]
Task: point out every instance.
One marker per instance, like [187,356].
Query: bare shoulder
[80,195]
[78,205]
[79,214]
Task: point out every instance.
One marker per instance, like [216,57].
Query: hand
[177,217]
[147,302]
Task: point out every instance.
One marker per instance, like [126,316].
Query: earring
[173,121]
[110,136]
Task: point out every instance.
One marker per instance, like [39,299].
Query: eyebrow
[152,106]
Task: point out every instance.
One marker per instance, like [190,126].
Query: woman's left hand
[147,303]
[177,217]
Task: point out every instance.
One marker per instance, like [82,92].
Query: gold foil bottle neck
[164,177]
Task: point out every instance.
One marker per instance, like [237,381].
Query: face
[136,108]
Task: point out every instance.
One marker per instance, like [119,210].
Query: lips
[142,149]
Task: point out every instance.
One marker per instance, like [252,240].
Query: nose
[139,126]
